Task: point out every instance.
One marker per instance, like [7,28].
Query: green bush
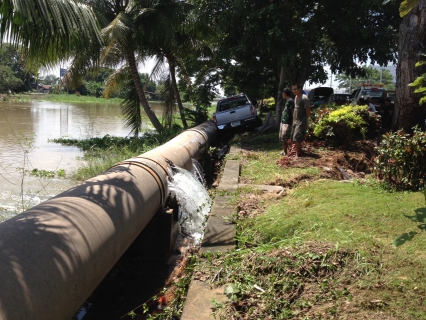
[344,125]
[401,160]
[197,116]
[269,103]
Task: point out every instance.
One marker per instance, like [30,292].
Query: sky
[147,68]
[149,65]
[335,84]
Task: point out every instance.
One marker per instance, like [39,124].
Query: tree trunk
[299,75]
[411,41]
[141,93]
[280,99]
[172,68]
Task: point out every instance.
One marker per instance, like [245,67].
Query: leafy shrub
[419,84]
[316,115]
[344,125]
[197,116]
[269,103]
[401,160]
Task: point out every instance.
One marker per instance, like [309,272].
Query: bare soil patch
[254,204]
[337,164]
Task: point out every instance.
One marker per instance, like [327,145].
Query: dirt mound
[335,164]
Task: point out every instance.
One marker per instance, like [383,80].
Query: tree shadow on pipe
[67,244]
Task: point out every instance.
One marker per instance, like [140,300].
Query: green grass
[259,160]
[362,218]
[102,153]
[64,97]
[261,168]
[352,227]
[326,251]
[99,162]
[352,214]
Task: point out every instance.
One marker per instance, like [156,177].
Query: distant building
[151,95]
[44,88]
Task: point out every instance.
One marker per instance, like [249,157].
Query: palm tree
[150,28]
[170,91]
[165,37]
[177,35]
[162,34]
[122,80]
[121,34]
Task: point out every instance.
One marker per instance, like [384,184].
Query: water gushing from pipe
[194,203]
[198,172]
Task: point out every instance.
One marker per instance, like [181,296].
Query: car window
[233,103]
[355,93]
[372,93]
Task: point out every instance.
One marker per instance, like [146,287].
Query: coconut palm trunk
[141,94]
[172,68]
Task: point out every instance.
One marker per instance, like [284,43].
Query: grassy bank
[327,248]
[102,153]
[64,97]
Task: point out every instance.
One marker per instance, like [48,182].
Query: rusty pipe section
[54,255]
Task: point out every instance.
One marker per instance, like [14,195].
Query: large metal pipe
[54,255]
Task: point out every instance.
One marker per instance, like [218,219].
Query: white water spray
[194,202]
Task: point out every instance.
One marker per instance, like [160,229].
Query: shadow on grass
[419,217]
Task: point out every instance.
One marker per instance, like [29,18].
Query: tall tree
[49,79]
[262,43]
[122,33]
[166,36]
[411,43]
[11,56]
[8,81]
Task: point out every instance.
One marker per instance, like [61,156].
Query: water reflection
[25,129]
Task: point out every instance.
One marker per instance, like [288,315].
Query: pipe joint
[158,172]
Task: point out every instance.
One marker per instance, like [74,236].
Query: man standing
[388,110]
[371,107]
[286,120]
[301,113]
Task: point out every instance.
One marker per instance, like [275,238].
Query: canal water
[25,131]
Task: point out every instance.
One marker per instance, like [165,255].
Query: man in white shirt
[371,107]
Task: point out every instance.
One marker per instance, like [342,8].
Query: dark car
[377,94]
[320,95]
[339,99]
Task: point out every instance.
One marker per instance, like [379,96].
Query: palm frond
[115,81]
[130,107]
[120,30]
[159,68]
[168,102]
[48,29]
[112,55]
